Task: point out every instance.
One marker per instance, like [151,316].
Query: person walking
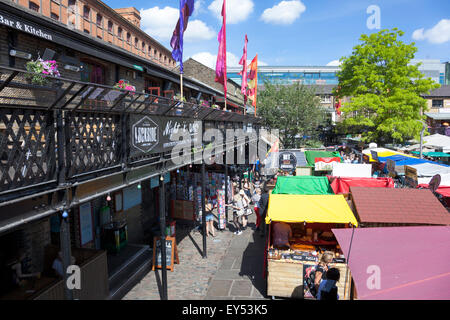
[209,218]
[262,205]
[256,197]
[247,211]
[247,188]
[238,209]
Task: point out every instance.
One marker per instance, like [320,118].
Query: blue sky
[294,32]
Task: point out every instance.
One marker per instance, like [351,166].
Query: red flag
[221,64]
[253,81]
[243,73]
[338,107]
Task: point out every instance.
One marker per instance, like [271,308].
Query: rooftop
[402,206]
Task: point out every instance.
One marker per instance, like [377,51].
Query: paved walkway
[232,270]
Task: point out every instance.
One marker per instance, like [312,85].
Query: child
[327,288]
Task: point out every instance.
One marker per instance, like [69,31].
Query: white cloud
[284,13]
[237,10]
[334,63]
[209,60]
[440,33]
[160,23]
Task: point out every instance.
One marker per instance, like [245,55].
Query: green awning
[311,155]
[433,154]
[309,185]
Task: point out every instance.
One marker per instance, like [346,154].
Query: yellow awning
[309,208]
[386,154]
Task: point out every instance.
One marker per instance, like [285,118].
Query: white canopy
[434,141]
[355,170]
[430,169]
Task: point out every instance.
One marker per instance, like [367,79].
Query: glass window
[110,26]
[54,16]
[143,46]
[149,50]
[93,73]
[99,19]
[72,5]
[128,37]
[136,41]
[33,6]
[119,32]
[86,12]
[438,103]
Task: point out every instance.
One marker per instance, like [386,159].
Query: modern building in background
[433,68]
[322,79]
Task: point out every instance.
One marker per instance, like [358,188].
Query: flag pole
[181,87]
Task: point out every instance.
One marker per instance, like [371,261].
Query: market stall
[382,207]
[341,185]
[357,170]
[398,263]
[311,218]
[302,185]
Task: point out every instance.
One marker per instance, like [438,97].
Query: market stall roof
[444,186]
[311,155]
[309,208]
[360,170]
[341,185]
[429,169]
[436,141]
[392,205]
[383,152]
[411,262]
[302,185]
[433,154]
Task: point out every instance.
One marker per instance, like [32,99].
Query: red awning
[341,185]
[444,190]
[398,263]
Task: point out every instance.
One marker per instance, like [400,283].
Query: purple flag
[186,9]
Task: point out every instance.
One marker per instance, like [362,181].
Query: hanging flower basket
[40,69]
[125,85]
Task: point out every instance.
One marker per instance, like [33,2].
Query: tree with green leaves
[292,109]
[384,89]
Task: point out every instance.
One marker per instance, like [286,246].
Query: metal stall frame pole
[226,191]
[66,247]
[204,209]
[162,221]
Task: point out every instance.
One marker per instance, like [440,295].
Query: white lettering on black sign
[24,27]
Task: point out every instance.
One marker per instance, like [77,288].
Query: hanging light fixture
[108,198]
[65,214]
[139,185]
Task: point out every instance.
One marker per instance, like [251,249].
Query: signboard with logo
[325,163]
[411,176]
[287,161]
[154,134]
[374,155]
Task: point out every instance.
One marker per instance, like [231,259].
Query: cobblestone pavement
[232,270]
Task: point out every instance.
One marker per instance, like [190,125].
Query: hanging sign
[326,163]
[287,161]
[154,134]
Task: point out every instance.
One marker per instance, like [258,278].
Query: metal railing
[67,130]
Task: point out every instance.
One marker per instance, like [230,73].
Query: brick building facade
[119,27]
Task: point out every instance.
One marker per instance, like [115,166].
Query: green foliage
[36,72]
[292,109]
[385,91]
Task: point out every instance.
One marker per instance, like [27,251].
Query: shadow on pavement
[252,264]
